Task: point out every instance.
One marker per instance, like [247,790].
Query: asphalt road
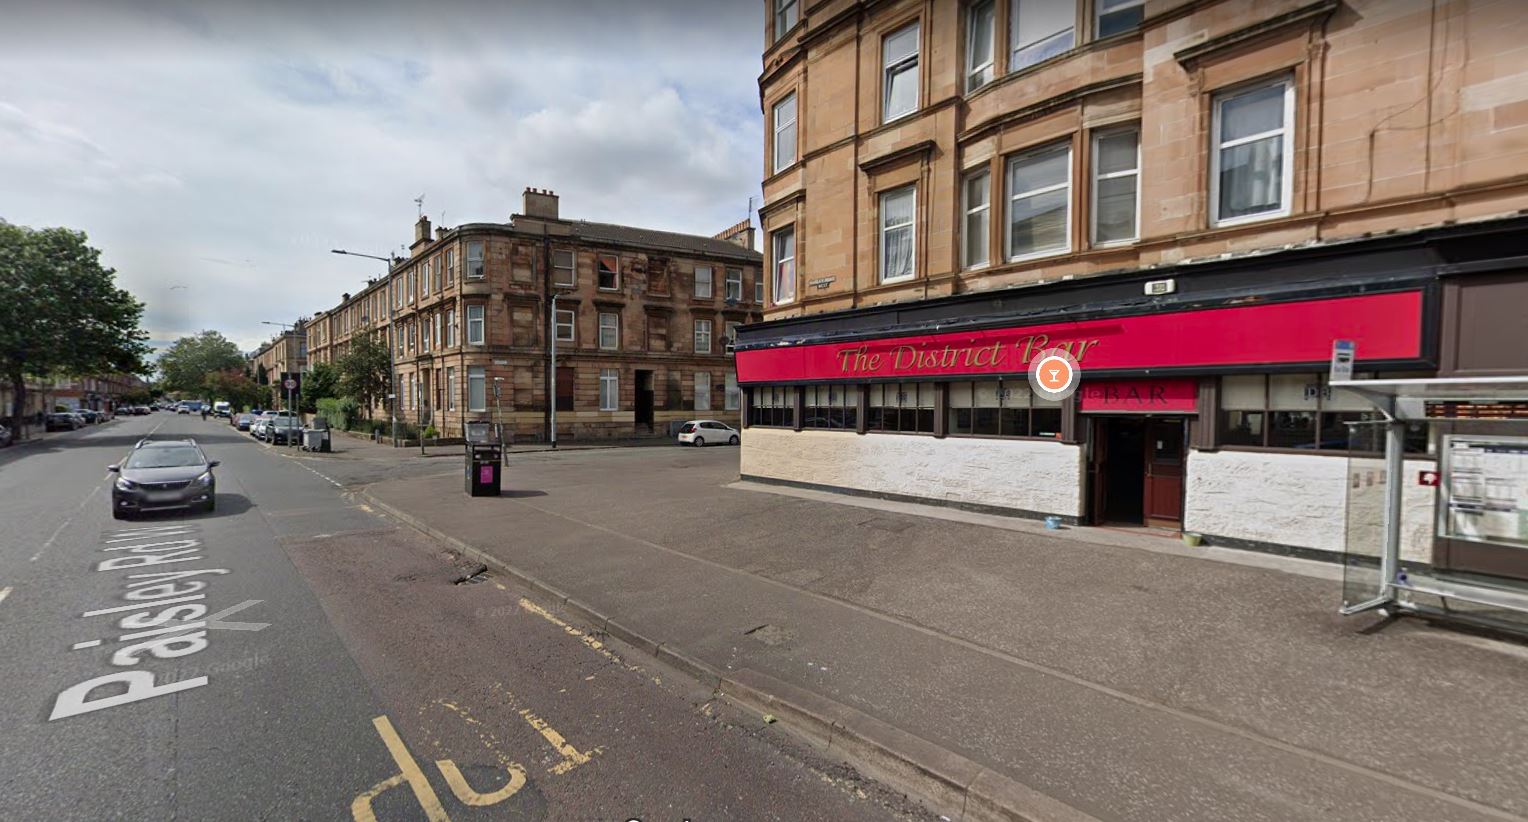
[342,671]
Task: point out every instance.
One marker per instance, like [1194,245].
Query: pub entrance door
[1135,470]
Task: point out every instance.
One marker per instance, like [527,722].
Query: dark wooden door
[1164,472]
[644,415]
[1098,452]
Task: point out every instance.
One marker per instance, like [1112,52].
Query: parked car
[242,421]
[283,431]
[257,428]
[163,474]
[91,415]
[6,437]
[63,421]
[699,432]
[182,409]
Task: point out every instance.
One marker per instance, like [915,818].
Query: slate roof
[662,240]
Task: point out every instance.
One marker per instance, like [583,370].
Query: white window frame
[1287,178]
[598,258]
[475,268]
[426,283]
[424,335]
[478,374]
[973,11]
[702,386]
[882,229]
[787,159]
[450,328]
[702,332]
[1014,47]
[481,322]
[786,13]
[967,211]
[729,336]
[734,277]
[1098,14]
[710,280]
[614,327]
[891,68]
[450,388]
[571,325]
[413,288]
[758,289]
[610,389]
[1011,196]
[776,260]
[571,268]
[439,322]
[450,267]
[1135,172]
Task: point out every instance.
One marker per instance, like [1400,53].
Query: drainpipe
[548,420]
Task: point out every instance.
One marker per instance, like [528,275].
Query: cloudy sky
[215,151]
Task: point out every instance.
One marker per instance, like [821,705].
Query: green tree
[320,382]
[186,365]
[62,313]
[235,386]
[366,370]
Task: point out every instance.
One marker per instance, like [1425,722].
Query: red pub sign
[1166,396]
[1384,326]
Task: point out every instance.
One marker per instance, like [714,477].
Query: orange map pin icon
[1054,374]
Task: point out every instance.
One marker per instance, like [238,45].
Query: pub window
[1296,411]
[901,407]
[1002,408]
[773,405]
[831,406]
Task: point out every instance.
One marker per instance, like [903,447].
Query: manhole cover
[771,634]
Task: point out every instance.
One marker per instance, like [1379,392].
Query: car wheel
[733,440]
[700,442]
[212,503]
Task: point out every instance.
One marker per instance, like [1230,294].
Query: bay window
[979,32]
[1040,30]
[475,325]
[785,16]
[1040,202]
[977,192]
[475,259]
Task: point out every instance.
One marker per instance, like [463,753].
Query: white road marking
[89,643]
[5,592]
[64,524]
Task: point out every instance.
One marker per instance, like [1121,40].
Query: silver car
[163,474]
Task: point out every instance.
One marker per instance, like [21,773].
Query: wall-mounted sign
[1173,396]
[1386,326]
[821,282]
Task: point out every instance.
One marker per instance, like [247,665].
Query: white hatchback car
[700,432]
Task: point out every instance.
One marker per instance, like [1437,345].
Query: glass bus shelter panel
[1364,530]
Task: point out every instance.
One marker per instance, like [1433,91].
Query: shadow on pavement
[228,505]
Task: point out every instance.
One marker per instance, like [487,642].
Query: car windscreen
[167,457]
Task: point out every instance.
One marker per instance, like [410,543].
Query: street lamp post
[392,368]
[552,390]
[498,426]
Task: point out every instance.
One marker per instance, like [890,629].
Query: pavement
[348,668]
[998,672]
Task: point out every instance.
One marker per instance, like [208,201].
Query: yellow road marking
[472,798]
[408,770]
[590,641]
[571,758]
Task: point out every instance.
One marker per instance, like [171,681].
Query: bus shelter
[1406,517]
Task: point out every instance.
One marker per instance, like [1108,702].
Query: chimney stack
[740,234]
[422,230]
[539,203]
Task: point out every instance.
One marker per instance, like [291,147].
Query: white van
[222,408]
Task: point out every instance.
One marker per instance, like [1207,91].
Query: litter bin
[485,458]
